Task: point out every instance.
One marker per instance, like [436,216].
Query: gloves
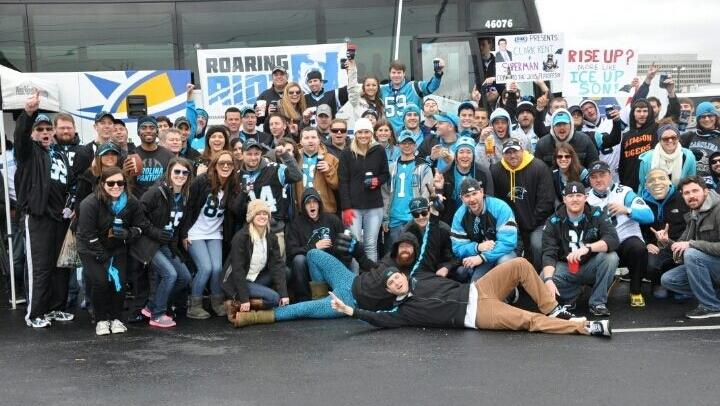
[120,233]
[348,245]
[437,203]
[165,237]
[372,183]
[348,215]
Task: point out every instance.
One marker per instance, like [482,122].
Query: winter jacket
[432,302]
[452,193]
[437,253]
[559,182]
[528,190]
[703,143]
[595,226]
[351,175]
[157,203]
[495,223]
[95,226]
[304,233]
[77,155]
[688,167]
[234,281]
[584,147]
[703,226]
[670,210]
[326,183]
[421,183]
[634,142]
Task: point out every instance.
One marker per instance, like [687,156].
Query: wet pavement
[347,362]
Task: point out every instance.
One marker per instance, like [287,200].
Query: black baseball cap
[470,185]
[107,148]
[512,143]
[252,143]
[573,187]
[314,74]
[418,204]
[182,120]
[279,68]
[99,116]
[599,166]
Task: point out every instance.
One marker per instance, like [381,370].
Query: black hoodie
[351,177]
[304,233]
[634,142]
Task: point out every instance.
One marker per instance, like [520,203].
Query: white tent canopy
[17,86]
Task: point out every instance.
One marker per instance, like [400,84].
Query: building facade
[689,72]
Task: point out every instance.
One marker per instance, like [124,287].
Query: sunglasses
[669,139]
[294,92]
[43,129]
[113,183]
[182,172]
[706,116]
[225,164]
[715,161]
[561,156]
[338,130]
[417,214]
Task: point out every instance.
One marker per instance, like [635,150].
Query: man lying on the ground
[429,301]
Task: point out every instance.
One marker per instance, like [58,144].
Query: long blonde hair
[287,109]
[257,234]
[355,148]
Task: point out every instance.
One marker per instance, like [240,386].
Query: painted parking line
[654,329]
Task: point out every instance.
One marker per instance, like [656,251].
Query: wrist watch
[547,278]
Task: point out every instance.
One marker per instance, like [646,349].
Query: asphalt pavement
[347,362]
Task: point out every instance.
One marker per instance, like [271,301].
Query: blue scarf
[118,205]
[113,273]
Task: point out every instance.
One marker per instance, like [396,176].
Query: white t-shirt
[208,225]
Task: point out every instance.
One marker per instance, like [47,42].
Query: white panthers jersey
[626,226]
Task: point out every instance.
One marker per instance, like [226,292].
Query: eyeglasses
[294,92]
[417,214]
[182,172]
[562,156]
[706,116]
[669,139]
[225,164]
[113,183]
[43,129]
[338,130]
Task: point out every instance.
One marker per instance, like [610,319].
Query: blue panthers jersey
[308,170]
[410,92]
[403,192]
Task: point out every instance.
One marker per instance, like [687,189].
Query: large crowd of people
[369,201]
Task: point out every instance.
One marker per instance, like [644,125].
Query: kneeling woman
[256,263]
[110,220]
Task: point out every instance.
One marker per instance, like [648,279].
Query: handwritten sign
[598,72]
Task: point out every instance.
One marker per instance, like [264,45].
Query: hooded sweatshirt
[635,142]
[703,226]
[418,134]
[581,143]
[670,210]
[304,232]
[608,153]
[702,141]
[482,158]
[528,189]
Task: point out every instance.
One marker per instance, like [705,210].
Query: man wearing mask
[698,250]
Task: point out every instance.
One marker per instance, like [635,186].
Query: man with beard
[154,157]
[562,131]
[328,272]
[669,209]
[627,212]
[483,233]
[698,250]
[464,166]
[43,182]
[313,228]
[526,122]
[267,181]
[578,245]
[68,142]
[430,109]
[525,183]
[440,257]
[704,140]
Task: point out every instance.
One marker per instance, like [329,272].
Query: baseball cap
[252,143]
[599,166]
[470,185]
[107,148]
[324,109]
[574,108]
[418,204]
[561,117]
[42,118]
[279,68]
[448,118]
[181,120]
[370,112]
[388,273]
[99,116]
[573,187]
[406,135]
[512,143]
[119,122]
[314,74]
[465,142]
[246,110]
[524,106]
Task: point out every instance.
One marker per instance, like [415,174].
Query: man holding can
[578,243]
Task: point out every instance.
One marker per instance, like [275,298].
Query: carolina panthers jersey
[626,225]
[410,92]
[403,182]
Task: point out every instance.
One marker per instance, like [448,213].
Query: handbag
[69,257]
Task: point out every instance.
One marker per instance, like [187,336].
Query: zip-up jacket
[703,226]
[670,210]
[496,223]
[157,205]
[351,177]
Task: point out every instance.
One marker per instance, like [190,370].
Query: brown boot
[319,290]
[257,304]
[231,308]
[218,305]
[243,319]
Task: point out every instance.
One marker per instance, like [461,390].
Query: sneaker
[136,317]
[38,322]
[599,310]
[162,322]
[637,300]
[600,328]
[102,328]
[146,312]
[57,315]
[117,327]
[702,312]
[561,312]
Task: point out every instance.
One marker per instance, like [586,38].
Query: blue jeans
[261,289]
[173,277]
[391,236]
[464,275]
[367,224]
[698,276]
[207,255]
[598,272]
[300,278]
[323,268]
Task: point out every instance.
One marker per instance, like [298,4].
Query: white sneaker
[102,328]
[117,327]
[57,315]
[38,322]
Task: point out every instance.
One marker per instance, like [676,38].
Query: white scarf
[670,163]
